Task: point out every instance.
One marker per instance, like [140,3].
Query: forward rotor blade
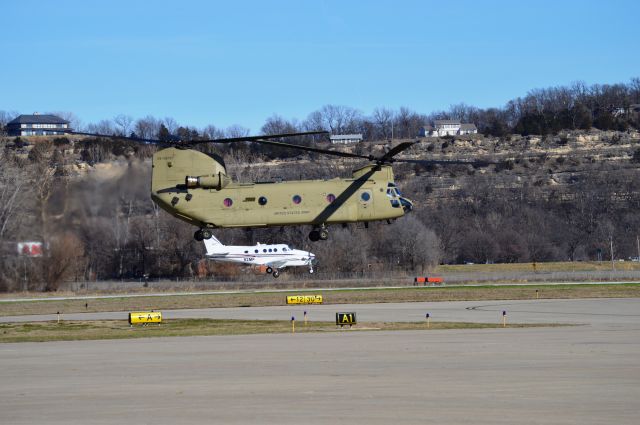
[317,150]
[388,157]
[446,162]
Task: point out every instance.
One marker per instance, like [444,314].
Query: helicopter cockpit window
[331,197]
[296,199]
[227,202]
[262,200]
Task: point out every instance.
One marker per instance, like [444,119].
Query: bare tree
[278,125]
[335,118]
[124,123]
[171,124]
[12,180]
[383,120]
[5,118]
[102,127]
[212,132]
[237,131]
[147,127]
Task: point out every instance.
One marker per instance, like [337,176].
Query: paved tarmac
[586,374]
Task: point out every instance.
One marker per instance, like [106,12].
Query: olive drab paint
[195,188]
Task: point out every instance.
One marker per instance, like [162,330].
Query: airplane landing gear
[276,273]
[269,270]
[202,234]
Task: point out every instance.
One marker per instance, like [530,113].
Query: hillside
[572,196]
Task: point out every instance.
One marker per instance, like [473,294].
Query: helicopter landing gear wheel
[202,234]
[269,270]
[314,235]
[276,273]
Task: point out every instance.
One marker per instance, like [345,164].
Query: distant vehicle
[275,257]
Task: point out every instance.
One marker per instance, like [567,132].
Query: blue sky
[240,62]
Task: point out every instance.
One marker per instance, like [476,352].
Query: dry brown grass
[112,329]
[558,266]
[410,294]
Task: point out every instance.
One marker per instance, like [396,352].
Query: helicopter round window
[331,197]
[297,199]
[228,202]
[262,200]
[365,196]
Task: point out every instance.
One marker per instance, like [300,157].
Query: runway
[585,374]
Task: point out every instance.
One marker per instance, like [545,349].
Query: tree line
[541,111]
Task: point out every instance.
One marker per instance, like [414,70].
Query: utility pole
[613,264]
[638,242]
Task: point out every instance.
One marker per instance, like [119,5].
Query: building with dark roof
[37,125]
[346,138]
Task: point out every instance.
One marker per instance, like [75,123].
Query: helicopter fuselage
[193,187]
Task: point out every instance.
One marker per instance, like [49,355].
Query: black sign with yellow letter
[345,319]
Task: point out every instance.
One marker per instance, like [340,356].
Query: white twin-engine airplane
[275,257]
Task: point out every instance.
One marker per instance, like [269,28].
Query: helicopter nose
[407,205]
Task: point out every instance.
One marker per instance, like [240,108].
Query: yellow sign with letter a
[145,317]
[304,299]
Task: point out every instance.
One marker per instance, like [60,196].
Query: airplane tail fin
[213,246]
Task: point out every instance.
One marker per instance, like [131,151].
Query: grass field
[113,329]
[377,295]
[557,266]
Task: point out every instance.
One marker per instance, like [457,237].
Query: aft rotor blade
[255,138]
[112,136]
[192,142]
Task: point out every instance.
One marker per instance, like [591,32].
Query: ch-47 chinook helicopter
[194,187]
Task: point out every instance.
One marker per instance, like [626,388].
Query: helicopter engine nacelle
[214,181]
